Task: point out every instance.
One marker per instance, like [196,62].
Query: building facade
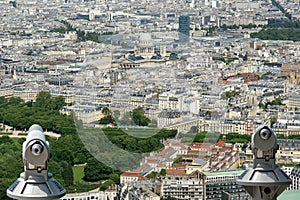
[202,185]
[85,196]
[295,176]
[219,183]
[183,186]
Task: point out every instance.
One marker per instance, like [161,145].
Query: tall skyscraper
[184,29]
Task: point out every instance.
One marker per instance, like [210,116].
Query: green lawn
[79,184]
[135,132]
[78,173]
[141,132]
[138,132]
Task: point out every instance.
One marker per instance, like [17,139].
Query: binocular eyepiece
[265,134]
[37,149]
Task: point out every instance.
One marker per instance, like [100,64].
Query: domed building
[145,54]
[145,48]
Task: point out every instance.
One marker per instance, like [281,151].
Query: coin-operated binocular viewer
[35,182]
[265,181]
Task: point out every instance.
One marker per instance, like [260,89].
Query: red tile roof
[151,160]
[175,171]
[130,174]
[165,151]
[199,147]
[220,143]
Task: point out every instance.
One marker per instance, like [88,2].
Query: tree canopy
[139,118]
[108,117]
[95,170]
[15,112]
[278,34]
[44,100]
[138,145]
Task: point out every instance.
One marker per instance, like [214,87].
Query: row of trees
[95,171]
[284,24]
[136,117]
[226,60]
[271,24]
[236,138]
[135,144]
[213,137]
[67,28]
[225,27]
[81,35]
[230,138]
[278,34]
[15,112]
[295,137]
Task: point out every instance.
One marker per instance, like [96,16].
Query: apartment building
[287,127]
[136,175]
[295,176]
[142,194]
[27,94]
[237,125]
[288,171]
[6,91]
[166,118]
[86,113]
[185,125]
[128,177]
[168,101]
[138,190]
[217,183]
[182,186]
[85,196]
[293,72]
[202,185]
[68,95]
[293,102]
[228,125]
[289,150]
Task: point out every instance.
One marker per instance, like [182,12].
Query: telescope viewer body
[35,182]
[265,181]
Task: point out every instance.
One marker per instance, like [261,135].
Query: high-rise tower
[184,29]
